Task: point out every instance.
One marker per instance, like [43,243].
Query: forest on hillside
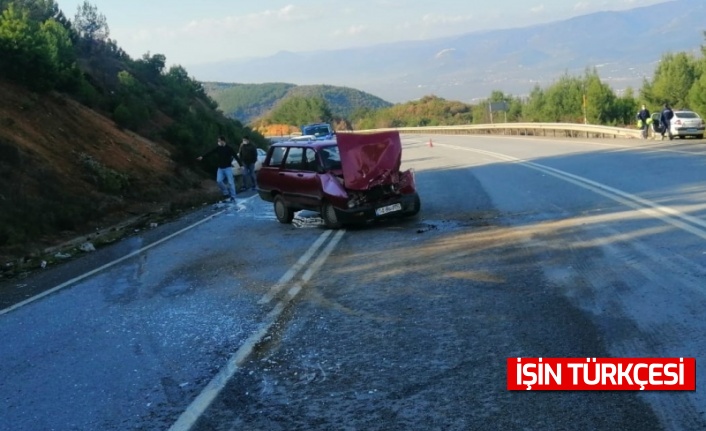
[69,69]
[256,103]
[44,50]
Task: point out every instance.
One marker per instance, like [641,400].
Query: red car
[353,177]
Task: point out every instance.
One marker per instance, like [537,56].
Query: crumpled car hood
[369,159]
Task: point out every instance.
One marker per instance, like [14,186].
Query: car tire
[328,213]
[701,136]
[416,206]
[283,213]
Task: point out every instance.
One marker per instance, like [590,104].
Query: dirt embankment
[67,171]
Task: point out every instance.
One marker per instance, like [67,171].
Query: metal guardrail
[568,130]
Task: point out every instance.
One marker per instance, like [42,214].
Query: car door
[268,177]
[300,184]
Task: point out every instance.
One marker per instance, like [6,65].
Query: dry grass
[66,171]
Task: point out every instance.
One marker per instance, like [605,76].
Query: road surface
[524,247]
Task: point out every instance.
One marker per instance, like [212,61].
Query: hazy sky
[201,31]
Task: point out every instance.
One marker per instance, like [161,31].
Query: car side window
[294,159]
[310,163]
[277,156]
[330,158]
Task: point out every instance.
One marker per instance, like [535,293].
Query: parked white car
[687,123]
[238,170]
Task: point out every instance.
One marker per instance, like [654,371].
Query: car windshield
[317,130]
[330,157]
[686,114]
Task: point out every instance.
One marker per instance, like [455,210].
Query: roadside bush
[107,180]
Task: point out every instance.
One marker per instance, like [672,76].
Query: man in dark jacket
[224,174]
[642,116]
[248,155]
[666,119]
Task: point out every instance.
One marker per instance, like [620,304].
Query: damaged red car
[351,178]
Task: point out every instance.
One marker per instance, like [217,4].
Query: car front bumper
[371,211]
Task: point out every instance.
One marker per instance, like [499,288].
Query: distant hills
[624,47]
[247,102]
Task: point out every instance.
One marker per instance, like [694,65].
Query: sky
[207,31]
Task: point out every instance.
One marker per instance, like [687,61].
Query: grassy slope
[66,170]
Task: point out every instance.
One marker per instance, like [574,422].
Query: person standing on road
[642,116]
[248,155]
[224,174]
[666,118]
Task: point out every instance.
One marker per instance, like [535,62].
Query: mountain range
[623,46]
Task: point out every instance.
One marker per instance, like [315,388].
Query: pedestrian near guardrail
[666,119]
[643,115]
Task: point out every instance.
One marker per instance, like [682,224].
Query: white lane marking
[667,214]
[197,407]
[287,277]
[107,265]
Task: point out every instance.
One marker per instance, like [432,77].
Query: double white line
[197,407]
[667,214]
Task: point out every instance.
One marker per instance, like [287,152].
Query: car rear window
[686,114]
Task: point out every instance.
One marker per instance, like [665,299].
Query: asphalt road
[523,248]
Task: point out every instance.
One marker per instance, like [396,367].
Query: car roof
[303,143]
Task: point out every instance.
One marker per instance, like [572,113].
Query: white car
[238,170]
[687,123]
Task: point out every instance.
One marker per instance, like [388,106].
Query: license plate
[388,209]
[690,130]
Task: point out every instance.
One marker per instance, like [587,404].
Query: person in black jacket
[643,115]
[666,119]
[224,174]
[248,155]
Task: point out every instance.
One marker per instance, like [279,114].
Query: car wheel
[701,136]
[328,213]
[283,213]
[416,206]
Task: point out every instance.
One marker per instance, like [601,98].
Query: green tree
[697,95]
[565,100]
[25,51]
[151,67]
[61,54]
[38,10]
[626,107]
[533,109]
[600,100]
[672,81]
[301,110]
[89,24]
